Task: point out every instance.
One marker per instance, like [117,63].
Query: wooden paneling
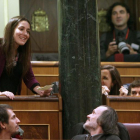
[34,131]
[44,41]
[47,72]
[41,117]
[128,108]
[135,10]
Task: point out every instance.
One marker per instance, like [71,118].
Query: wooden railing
[47,72]
[40,117]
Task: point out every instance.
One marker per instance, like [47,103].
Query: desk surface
[56,64]
[123,98]
[32,98]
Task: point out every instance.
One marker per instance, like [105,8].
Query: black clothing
[96,137]
[106,38]
[10,82]
[78,130]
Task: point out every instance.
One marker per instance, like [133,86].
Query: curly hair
[109,15]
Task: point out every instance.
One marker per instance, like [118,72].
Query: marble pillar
[79,60]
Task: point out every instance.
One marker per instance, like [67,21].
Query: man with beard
[101,125]
[8,122]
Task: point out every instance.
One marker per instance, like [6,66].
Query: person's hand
[123,91]
[132,51]
[105,90]
[42,93]
[45,92]
[112,48]
[8,94]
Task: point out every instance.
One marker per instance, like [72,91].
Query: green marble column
[79,58]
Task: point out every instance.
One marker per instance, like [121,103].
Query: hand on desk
[8,94]
[43,92]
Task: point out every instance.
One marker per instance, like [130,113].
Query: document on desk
[47,87]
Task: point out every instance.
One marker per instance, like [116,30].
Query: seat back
[133,130]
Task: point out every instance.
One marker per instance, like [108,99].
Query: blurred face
[91,123]
[21,33]
[106,78]
[120,17]
[135,91]
[12,126]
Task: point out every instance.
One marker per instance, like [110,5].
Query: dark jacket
[29,78]
[106,38]
[78,130]
[96,137]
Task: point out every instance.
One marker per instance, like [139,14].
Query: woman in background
[15,54]
[111,81]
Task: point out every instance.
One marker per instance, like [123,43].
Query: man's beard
[84,126]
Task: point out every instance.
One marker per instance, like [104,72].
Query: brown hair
[8,46]
[4,117]
[108,121]
[135,83]
[115,79]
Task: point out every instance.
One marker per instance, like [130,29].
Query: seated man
[8,122]
[121,43]
[101,125]
[134,88]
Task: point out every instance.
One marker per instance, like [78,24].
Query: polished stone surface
[79,58]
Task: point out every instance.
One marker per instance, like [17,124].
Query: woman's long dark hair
[116,79]
[8,46]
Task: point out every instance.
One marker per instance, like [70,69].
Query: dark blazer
[78,130]
[29,78]
[106,38]
[102,137]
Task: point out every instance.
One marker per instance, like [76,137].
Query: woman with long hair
[15,54]
[111,81]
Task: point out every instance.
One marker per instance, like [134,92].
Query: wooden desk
[47,72]
[41,117]
[128,108]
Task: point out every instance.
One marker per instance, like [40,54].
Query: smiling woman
[21,33]
[15,55]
